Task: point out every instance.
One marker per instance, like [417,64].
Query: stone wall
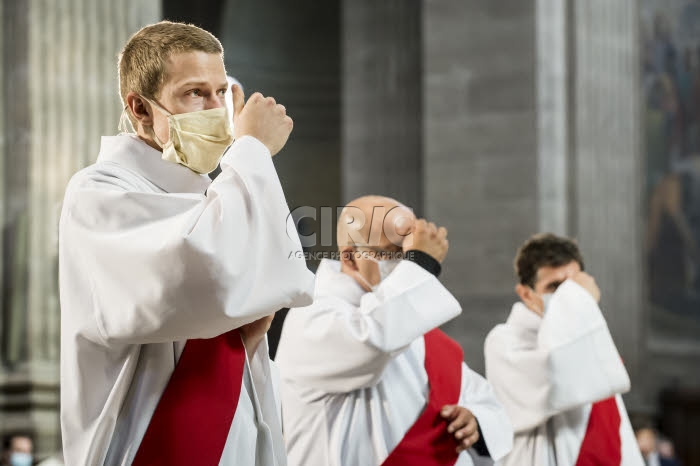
[291,52]
[381,100]
[59,95]
[480,152]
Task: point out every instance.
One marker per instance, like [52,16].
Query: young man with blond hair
[168,280]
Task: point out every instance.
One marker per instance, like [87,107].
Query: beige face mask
[198,140]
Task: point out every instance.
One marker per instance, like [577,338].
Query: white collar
[521,316]
[331,281]
[134,154]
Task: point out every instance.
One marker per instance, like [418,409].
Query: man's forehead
[195,68]
[374,222]
[21,441]
[561,272]
[399,211]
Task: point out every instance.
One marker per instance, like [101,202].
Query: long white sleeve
[567,361]
[334,347]
[174,266]
[478,396]
[583,359]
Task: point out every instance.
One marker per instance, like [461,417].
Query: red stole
[193,417]
[602,445]
[427,442]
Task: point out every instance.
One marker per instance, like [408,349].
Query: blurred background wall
[58,94]
[495,119]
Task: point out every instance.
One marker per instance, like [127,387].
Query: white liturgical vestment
[353,375]
[152,254]
[549,371]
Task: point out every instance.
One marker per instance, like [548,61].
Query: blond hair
[143,58]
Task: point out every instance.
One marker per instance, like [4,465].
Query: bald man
[367,379]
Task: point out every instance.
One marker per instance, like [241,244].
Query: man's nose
[214,101]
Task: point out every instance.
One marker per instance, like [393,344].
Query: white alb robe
[353,375]
[548,371]
[152,254]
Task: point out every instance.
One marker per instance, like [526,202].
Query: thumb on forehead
[403,225]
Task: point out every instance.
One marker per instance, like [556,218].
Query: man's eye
[222,91]
[195,92]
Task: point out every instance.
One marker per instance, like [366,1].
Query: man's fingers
[281,109]
[471,440]
[432,229]
[447,411]
[403,226]
[468,442]
[256,97]
[456,424]
[238,99]
[460,421]
[466,431]
[442,232]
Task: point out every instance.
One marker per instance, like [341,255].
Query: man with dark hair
[17,450]
[554,367]
[544,250]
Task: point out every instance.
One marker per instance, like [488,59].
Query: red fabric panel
[193,417]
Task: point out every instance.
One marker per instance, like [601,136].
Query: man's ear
[529,297]
[140,109]
[522,291]
[347,258]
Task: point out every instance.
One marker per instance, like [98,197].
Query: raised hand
[261,117]
[427,237]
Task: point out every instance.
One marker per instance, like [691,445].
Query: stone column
[3,143]
[16,133]
[553,120]
[60,95]
[382,141]
[606,207]
[290,51]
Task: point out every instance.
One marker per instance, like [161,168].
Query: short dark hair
[544,250]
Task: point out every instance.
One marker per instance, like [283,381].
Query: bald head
[375,221]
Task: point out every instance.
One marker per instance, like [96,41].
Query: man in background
[648,441]
[367,378]
[17,449]
[555,368]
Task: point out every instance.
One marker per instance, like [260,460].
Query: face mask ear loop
[165,112]
[123,119]
[155,137]
[376,261]
[158,106]
[364,280]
